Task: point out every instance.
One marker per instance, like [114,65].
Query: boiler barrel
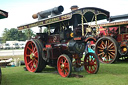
[44,14]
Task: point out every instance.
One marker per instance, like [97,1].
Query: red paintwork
[119,38]
[55,53]
[77,38]
[90,39]
[113,28]
[48,46]
[125,37]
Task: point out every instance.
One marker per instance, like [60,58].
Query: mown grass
[109,74]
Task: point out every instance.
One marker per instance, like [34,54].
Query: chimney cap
[74,6]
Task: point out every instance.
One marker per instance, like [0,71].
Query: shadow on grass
[46,70]
[53,70]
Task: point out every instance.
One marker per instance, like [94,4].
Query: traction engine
[112,43]
[63,45]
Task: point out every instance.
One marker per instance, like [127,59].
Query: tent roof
[3,14]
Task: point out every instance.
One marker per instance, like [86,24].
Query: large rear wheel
[33,56]
[106,49]
[64,65]
[91,63]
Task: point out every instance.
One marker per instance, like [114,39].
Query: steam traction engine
[112,43]
[63,44]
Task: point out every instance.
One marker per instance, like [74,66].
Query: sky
[21,11]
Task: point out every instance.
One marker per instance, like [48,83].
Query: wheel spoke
[111,55]
[65,63]
[91,68]
[29,49]
[94,60]
[102,44]
[31,45]
[27,55]
[100,47]
[94,66]
[103,58]
[66,72]
[101,50]
[100,53]
[36,60]
[110,45]
[30,62]
[35,63]
[34,49]
[106,44]
[36,54]
[62,61]
[111,50]
[109,58]
[32,67]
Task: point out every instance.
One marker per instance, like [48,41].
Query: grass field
[109,74]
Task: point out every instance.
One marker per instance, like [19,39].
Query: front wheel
[91,63]
[64,65]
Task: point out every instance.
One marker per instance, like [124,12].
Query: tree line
[13,34]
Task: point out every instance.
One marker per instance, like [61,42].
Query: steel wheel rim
[63,66]
[31,56]
[91,64]
[106,51]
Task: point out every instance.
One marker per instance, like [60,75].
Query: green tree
[14,34]
[5,35]
[29,33]
[22,36]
